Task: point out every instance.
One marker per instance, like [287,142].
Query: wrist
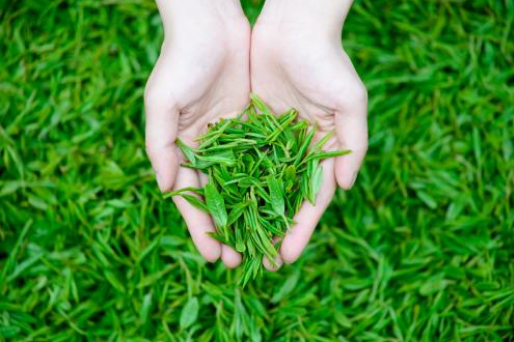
[180,15]
[321,19]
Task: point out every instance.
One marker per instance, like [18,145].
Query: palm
[219,87]
[319,80]
[202,80]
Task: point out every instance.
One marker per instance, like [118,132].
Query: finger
[230,257]
[161,128]
[198,223]
[352,134]
[308,217]
[269,266]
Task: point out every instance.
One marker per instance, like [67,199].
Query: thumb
[352,134]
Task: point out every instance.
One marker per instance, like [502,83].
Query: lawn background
[420,250]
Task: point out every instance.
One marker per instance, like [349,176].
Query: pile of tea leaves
[261,167]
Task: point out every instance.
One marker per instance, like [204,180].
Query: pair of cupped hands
[210,61]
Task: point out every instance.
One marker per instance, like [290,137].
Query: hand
[297,61]
[202,74]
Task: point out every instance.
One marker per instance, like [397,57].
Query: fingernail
[279,262]
[273,268]
[354,179]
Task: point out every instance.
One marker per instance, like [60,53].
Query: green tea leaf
[240,245]
[276,194]
[189,313]
[183,191]
[187,151]
[195,202]
[221,157]
[316,182]
[327,155]
[304,146]
[290,177]
[236,212]
[257,102]
[319,145]
[216,205]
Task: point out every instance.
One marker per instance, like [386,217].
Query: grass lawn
[422,249]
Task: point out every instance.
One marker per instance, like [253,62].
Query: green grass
[421,249]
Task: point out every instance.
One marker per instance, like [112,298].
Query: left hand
[297,61]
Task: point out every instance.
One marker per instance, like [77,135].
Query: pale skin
[208,65]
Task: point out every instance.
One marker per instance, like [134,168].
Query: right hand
[201,75]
